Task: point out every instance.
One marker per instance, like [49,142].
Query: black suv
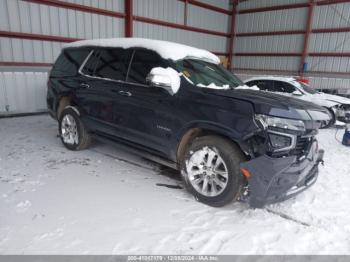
[176,105]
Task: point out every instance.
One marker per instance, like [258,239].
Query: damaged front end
[284,162]
[343,113]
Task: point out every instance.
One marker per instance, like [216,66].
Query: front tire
[73,133]
[211,170]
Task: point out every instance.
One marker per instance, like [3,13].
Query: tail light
[304,81]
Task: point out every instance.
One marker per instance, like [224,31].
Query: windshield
[205,74]
[308,89]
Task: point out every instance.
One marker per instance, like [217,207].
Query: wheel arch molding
[202,128]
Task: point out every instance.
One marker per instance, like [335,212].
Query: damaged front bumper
[277,179]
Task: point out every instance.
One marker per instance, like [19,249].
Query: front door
[151,109]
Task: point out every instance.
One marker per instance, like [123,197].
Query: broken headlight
[280,141]
[280,123]
[281,132]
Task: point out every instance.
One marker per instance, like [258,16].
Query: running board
[139,152]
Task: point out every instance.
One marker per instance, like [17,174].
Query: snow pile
[248,87]
[167,76]
[106,201]
[213,86]
[167,50]
[226,87]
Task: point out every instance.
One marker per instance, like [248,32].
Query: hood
[276,105]
[334,98]
[318,99]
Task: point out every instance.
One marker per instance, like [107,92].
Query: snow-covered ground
[105,201]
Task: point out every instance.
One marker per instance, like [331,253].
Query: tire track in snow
[125,160]
[285,216]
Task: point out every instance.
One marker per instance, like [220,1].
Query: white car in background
[338,107]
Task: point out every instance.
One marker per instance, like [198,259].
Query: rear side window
[283,87]
[142,63]
[108,63]
[263,85]
[69,62]
[252,83]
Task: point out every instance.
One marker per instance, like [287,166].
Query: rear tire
[331,122]
[73,133]
[211,170]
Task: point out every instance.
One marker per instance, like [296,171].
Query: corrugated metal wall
[324,71]
[270,21]
[18,84]
[23,91]
[265,3]
[330,16]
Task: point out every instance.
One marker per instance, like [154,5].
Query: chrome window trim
[292,137]
[84,62]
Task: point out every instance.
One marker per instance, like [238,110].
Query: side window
[288,88]
[108,63]
[113,64]
[283,87]
[252,83]
[264,85]
[142,63]
[68,63]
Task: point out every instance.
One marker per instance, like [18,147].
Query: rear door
[101,86]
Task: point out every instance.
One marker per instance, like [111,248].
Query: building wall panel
[165,10]
[111,5]
[270,44]
[329,64]
[21,50]
[210,42]
[264,3]
[48,20]
[25,92]
[268,63]
[342,84]
[207,19]
[332,16]
[279,20]
[224,4]
[330,42]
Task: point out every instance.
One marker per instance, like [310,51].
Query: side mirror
[166,78]
[297,93]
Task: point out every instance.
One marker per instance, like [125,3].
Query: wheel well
[191,135]
[62,103]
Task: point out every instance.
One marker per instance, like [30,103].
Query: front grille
[302,148]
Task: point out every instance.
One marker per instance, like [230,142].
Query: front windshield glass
[308,89]
[205,74]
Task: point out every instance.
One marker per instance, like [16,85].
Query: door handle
[84,85]
[125,93]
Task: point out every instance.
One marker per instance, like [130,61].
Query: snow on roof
[275,78]
[167,50]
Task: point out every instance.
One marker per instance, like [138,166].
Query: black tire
[332,121]
[84,138]
[231,155]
